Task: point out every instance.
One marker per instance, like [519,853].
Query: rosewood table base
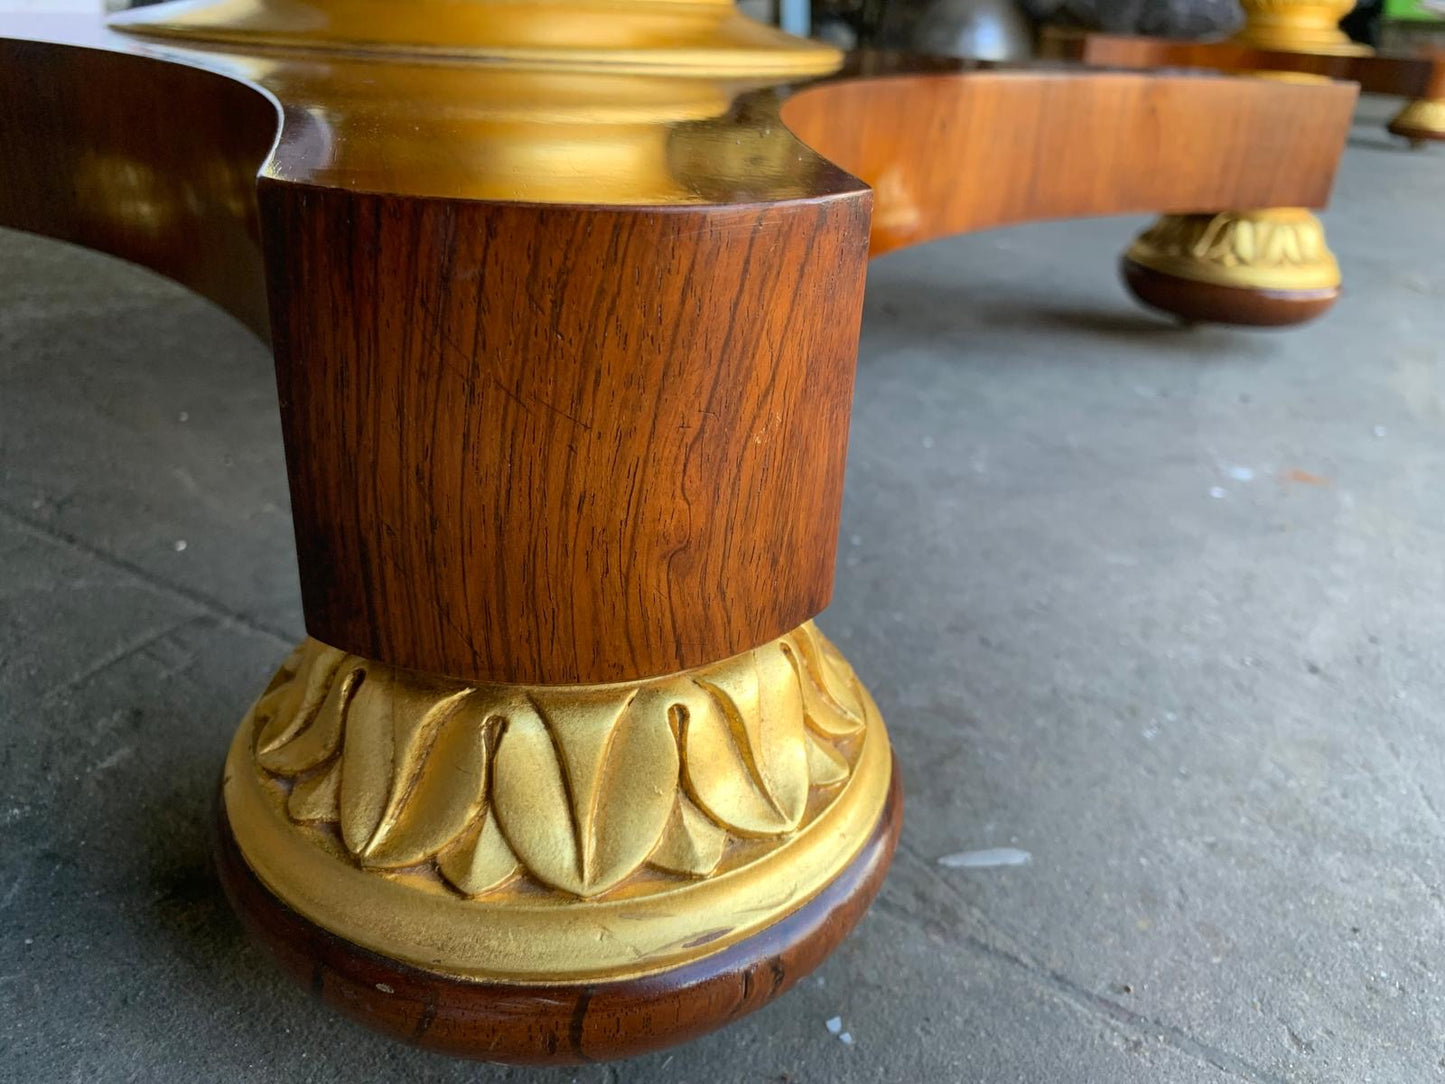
[564,300]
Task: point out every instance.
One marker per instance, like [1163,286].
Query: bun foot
[1197,302]
[1252,269]
[1421,121]
[557,874]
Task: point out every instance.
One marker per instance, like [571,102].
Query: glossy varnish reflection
[88,155]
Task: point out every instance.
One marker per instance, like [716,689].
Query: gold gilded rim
[692,37]
[787,850]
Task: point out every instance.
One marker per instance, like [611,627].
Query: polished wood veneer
[90,153]
[622,416]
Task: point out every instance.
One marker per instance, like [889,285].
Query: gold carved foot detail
[1420,120]
[1278,249]
[556,833]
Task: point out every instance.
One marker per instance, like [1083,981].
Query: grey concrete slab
[157,457]
[1157,606]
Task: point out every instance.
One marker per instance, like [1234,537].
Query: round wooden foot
[1204,302]
[560,1023]
[1264,268]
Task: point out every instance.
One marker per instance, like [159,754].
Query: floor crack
[222,613]
[1095,1005]
[111,658]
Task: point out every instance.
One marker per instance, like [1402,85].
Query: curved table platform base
[1253,269]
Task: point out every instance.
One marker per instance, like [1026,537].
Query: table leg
[1268,268]
[1420,121]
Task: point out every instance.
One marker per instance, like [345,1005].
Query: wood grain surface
[88,155]
[546,444]
[948,154]
[1413,76]
[565,1023]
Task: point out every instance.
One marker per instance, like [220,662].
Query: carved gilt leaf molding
[557,833]
[575,789]
[1280,248]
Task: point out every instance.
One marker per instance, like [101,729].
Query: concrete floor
[1160,607]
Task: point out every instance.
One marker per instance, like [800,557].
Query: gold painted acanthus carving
[576,789]
[631,826]
[1277,249]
